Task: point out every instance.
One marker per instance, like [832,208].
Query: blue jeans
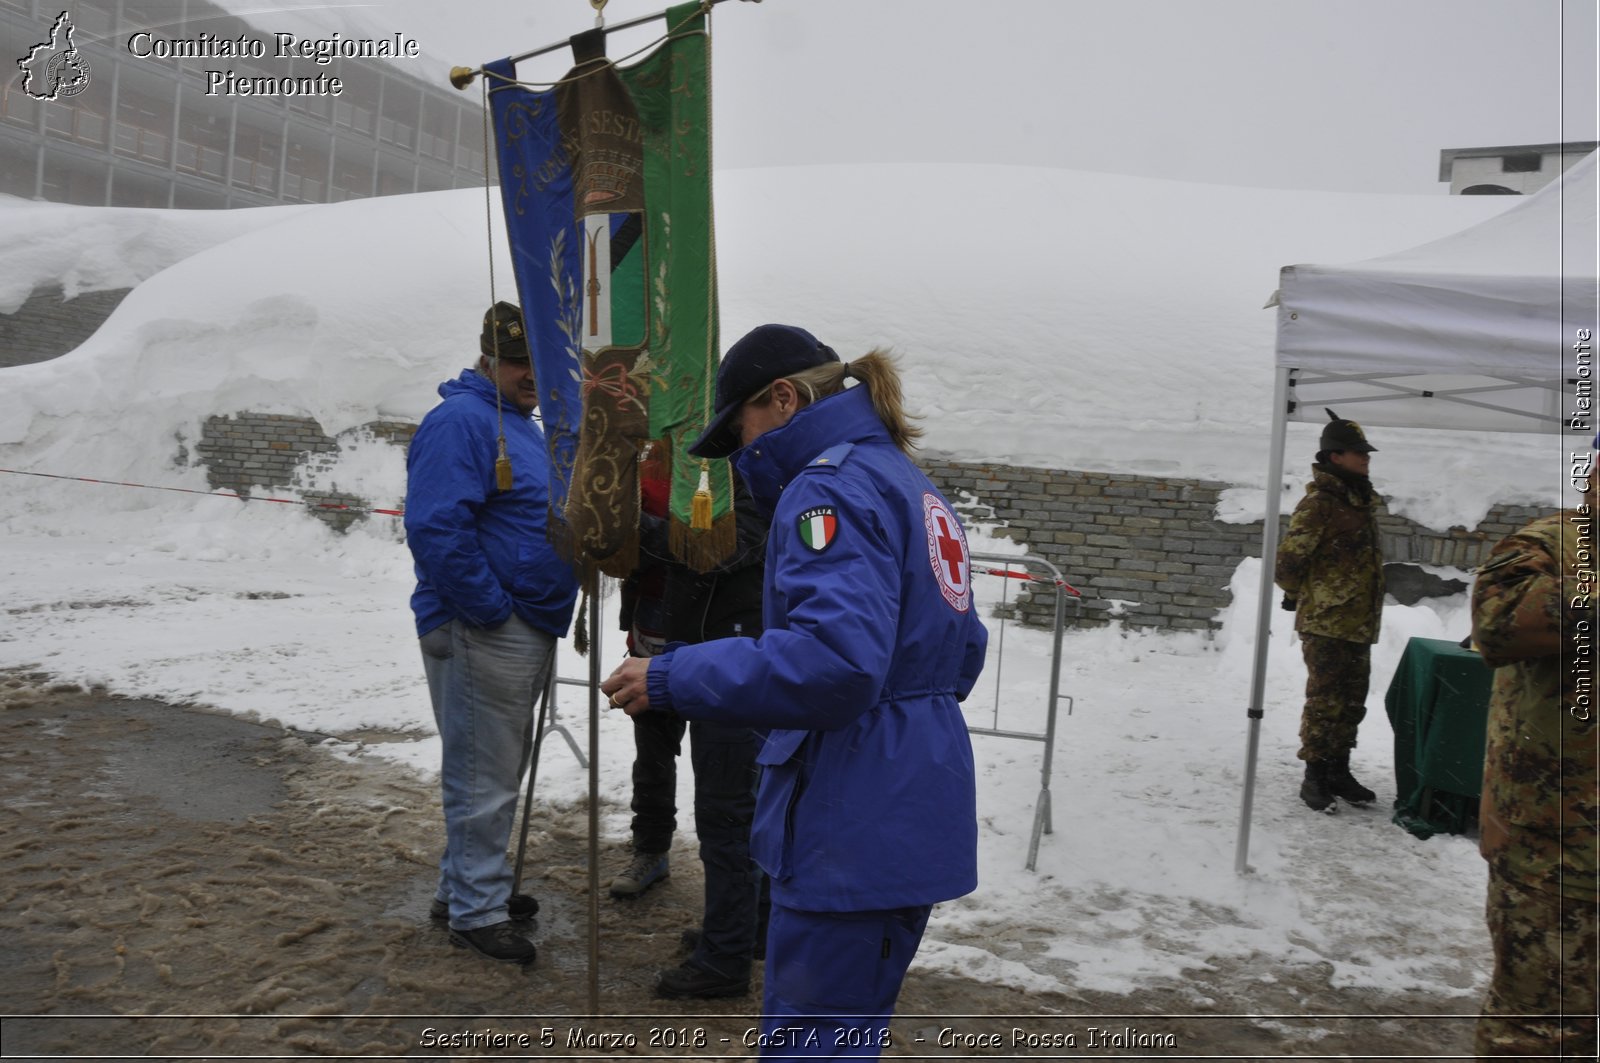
[483,683]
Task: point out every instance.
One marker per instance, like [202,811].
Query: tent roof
[1470,331]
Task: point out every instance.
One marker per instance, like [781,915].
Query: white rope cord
[488,242]
[711,203]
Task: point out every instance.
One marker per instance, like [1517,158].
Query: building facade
[1514,170]
[151,131]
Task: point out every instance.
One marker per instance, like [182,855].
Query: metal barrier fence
[1009,569]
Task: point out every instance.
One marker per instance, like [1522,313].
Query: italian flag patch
[818,527]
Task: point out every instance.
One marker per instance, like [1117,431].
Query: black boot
[1343,785]
[1314,791]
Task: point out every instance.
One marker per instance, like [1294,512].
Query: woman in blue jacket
[867,814]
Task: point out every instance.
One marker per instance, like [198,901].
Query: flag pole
[594,801]
[461,76]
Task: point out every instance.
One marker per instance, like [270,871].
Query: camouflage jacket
[1330,561]
[1533,619]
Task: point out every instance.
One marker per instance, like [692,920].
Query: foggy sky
[1345,95]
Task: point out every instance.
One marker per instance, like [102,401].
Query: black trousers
[724,765]
[657,741]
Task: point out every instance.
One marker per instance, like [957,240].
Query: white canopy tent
[1483,329]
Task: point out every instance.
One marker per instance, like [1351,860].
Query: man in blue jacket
[492,598]
[866,815]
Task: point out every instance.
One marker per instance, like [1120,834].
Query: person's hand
[626,686]
[1288,604]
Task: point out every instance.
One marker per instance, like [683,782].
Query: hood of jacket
[472,382]
[776,457]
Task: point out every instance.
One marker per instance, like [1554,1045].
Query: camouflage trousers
[1542,999]
[1337,671]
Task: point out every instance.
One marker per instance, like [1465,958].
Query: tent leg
[1269,554]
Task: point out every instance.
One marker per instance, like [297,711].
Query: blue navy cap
[766,353]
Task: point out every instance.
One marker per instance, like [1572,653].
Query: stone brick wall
[1149,552]
[1404,540]
[252,451]
[1145,551]
[48,325]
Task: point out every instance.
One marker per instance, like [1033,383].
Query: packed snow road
[185,884]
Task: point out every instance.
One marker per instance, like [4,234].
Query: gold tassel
[502,468]
[700,508]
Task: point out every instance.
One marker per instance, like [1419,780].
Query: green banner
[606,181]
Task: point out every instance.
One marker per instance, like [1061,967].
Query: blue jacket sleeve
[828,663]
[972,660]
[449,477]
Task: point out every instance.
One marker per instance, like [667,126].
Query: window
[69,180]
[352,172]
[1525,162]
[15,105]
[438,129]
[95,21]
[432,181]
[134,190]
[188,198]
[17,173]
[306,166]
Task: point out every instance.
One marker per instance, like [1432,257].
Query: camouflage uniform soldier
[1330,567]
[1533,618]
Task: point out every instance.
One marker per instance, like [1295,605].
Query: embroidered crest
[947,552]
[818,527]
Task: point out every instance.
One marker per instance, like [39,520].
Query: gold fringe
[559,534]
[580,629]
[704,550]
[589,586]
[624,560]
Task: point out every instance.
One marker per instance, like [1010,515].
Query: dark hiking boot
[498,941]
[1343,785]
[521,908]
[644,871]
[1314,790]
[687,981]
[689,940]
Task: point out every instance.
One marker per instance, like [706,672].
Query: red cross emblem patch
[947,552]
